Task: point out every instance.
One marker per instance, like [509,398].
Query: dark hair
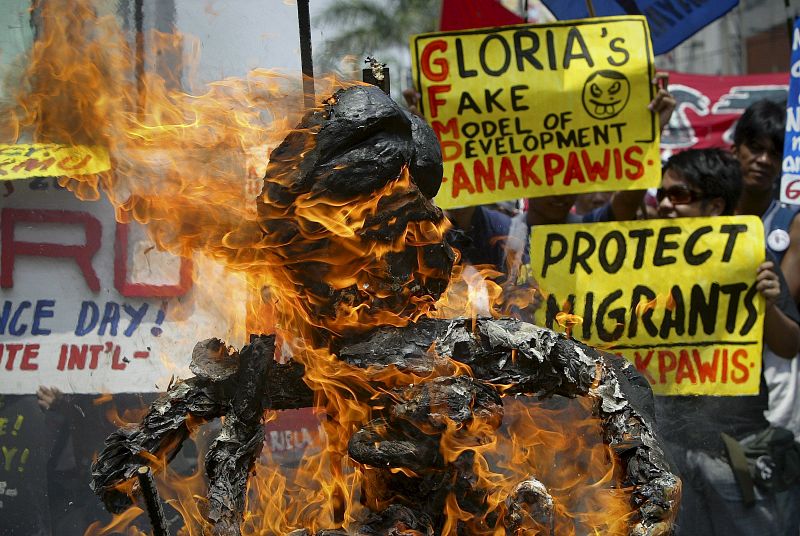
[764,119]
[716,173]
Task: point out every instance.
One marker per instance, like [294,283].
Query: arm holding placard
[781,332]
[624,204]
[790,264]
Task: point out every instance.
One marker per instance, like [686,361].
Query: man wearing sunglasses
[704,183]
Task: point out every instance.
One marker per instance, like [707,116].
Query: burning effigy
[348,223]
[436,420]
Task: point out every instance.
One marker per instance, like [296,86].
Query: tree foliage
[380,28]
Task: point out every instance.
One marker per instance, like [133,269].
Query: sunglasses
[679,195]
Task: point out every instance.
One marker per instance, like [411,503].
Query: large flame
[179,165]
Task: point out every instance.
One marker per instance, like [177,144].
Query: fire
[178,166]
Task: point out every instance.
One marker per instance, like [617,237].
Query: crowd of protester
[738,456]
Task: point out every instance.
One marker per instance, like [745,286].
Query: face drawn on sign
[605,93]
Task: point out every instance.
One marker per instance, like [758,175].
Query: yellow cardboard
[676,297]
[536,110]
[51,160]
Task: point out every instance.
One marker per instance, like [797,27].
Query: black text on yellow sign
[675,297]
[534,110]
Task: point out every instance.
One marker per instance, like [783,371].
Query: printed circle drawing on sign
[606,93]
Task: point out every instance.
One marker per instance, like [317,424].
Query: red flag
[466,14]
[708,106]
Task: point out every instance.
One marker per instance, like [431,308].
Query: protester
[585,203]
[708,436]
[758,144]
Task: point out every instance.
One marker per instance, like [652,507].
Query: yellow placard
[51,160]
[535,110]
[676,297]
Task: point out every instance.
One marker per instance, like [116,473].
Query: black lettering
[503,124]
[466,102]
[674,316]
[583,134]
[491,99]
[579,257]
[550,258]
[588,314]
[734,290]
[469,149]
[617,314]
[693,258]
[641,236]
[526,53]
[566,140]
[752,314]
[515,98]
[489,128]
[519,129]
[530,143]
[551,50]
[600,134]
[639,292]
[732,231]
[618,128]
[471,129]
[506,51]
[545,138]
[574,36]
[612,267]
[705,310]
[613,45]
[553,308]
[463,72]
[659,259]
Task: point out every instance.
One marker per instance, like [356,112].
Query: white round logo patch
[778,240]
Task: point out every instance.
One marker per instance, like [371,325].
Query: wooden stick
[152,501]
[590,7]
[306,61]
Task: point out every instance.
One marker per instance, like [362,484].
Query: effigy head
[352,235]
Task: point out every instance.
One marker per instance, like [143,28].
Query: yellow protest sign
[51,160]
[535,110]
[676,297]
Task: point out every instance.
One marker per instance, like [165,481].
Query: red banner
[708,107]
[468,14]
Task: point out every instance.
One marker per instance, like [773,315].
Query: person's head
[699,182]
[585,203]
[758,144]
[550,209]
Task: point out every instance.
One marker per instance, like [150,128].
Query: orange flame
[179,166]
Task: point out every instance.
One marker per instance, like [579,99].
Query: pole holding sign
[536,110]
[677,298]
